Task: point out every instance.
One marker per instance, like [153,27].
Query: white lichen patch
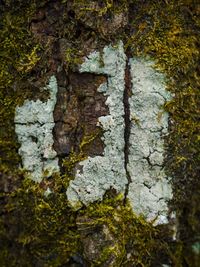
[104,172]
[33,125]
[150,188]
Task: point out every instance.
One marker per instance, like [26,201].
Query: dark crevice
[147,185]
[127,122]
[152,165]
[31,123]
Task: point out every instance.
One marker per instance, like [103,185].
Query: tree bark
[99,133]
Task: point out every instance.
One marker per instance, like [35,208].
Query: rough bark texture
[99,53]
[79,105]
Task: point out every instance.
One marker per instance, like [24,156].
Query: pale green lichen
[101,173]
[34,124]
[150,189]
[167,31]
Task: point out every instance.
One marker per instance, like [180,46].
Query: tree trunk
[99,133]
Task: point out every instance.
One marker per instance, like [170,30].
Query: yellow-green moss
[100,9]
[19,54]
[70,162]
[43,227]
[43,230]
[169,32]
[129,239]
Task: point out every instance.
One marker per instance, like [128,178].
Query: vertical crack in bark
[127,121]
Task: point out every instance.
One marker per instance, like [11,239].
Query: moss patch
[19,55]
[168,31]
[132,240]
[39,230]
[45,231]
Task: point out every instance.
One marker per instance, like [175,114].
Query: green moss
[43,230]
[131,240]
[100,9]
[73,57]
[43,227]
[19,55]
[70,162]
[168,32]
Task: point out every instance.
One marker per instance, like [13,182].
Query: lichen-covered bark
[34,123]
[40,39]
[101,173]
[149,189]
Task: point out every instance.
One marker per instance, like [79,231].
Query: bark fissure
[127,128]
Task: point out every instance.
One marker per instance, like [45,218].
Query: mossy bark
[42,38]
